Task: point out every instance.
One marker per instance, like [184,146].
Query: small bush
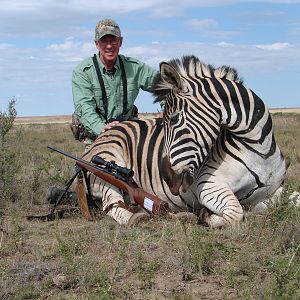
[7,120]
[8,155]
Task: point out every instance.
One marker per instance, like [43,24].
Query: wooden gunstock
[150,202]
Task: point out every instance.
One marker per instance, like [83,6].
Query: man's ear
[97,45]
[121,41]
[170,77]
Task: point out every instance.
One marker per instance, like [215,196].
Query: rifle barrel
[69,155]
[121,173]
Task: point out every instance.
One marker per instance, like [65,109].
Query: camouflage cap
[105,27]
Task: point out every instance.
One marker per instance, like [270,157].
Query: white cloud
[224,44]
[246,58]
[208,27]
[274,47]
[142,52]
[223,34]
[200,24]
[274,1]
[38,73]
[56,18]
[68,44]
[5,46]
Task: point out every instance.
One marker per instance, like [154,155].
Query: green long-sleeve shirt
[87,94]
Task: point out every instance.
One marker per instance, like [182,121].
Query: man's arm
[146,77]
[84,102]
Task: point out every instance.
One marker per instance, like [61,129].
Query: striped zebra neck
[248,117]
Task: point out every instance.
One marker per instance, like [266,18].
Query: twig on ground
[1,239]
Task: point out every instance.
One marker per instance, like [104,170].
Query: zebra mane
[192,66]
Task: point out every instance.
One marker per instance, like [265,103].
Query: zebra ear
[170,76]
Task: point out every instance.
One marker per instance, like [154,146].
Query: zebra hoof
[203,217]
[138,218]
[53,193]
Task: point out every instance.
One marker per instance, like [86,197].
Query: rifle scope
[97,160]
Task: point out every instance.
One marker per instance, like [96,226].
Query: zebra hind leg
[262,206]
[126,217]
[113,203]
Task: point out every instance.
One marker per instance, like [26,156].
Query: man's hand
[109,125]
[159,115]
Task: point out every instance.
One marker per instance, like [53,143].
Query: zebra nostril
[169,183]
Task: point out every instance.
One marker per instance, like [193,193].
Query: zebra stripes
[219,140]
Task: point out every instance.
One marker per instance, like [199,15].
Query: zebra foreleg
[220,210]
[113,203]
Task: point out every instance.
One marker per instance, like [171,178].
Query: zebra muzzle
[187,181]
[174,180]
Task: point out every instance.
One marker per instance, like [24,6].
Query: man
[104,89]
[102,100]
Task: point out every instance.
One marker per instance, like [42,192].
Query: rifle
[118,176]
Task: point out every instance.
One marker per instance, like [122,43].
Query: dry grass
[72,258]
[64,119]
[44,120]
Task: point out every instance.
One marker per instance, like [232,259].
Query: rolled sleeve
[147,76]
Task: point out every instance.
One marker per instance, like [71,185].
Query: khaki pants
[87,144]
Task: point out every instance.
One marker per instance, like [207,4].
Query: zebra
[137,145]
[218,138]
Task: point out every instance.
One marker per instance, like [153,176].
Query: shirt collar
[102,67]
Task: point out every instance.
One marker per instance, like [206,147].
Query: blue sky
[42,41]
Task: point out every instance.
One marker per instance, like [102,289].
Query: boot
[53,194]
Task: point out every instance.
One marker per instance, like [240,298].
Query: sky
[41,41]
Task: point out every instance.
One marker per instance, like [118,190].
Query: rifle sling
[90,201]
[82,199]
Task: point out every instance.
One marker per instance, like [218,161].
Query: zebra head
[192,119]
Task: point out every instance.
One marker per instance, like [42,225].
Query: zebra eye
[191,170]
[174,118]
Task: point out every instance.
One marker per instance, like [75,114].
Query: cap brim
[109,32]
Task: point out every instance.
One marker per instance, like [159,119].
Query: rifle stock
[149,202]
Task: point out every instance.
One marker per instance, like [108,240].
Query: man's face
[109,47]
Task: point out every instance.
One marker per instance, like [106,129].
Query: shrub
[8,155]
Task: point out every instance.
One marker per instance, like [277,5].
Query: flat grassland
[71,258]
[67,118]
[63,119]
